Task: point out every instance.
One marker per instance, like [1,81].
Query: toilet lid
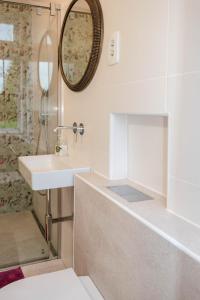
[61,285]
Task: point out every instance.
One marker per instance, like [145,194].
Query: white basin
[51,171]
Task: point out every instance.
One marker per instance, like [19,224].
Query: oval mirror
[81,43]
[45,62]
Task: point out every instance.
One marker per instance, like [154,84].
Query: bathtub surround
[133,250]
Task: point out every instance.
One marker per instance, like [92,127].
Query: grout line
[167,56]
[148,188]
[184,181]
[183,74]
[183,218]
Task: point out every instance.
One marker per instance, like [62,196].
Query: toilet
[60,285]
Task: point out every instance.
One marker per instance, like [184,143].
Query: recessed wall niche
[138,150]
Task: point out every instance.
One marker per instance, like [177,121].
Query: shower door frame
[45,4]
[53,7]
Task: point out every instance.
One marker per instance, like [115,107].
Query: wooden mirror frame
[98,28]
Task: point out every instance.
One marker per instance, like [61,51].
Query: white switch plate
[114,49]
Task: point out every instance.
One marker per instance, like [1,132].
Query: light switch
[114,49]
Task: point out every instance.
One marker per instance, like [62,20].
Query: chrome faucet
[74,128]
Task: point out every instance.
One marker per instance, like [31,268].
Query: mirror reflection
[45,62]
[77,42]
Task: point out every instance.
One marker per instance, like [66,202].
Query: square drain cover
[129,193]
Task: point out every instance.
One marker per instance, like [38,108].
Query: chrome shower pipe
[63,127]
[75,128]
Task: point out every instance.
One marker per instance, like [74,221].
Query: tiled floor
[20,240]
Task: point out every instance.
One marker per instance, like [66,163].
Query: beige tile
[152,213]
[125,258]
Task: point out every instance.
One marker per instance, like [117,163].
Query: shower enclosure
[28,114]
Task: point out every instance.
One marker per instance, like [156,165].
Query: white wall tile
[135,85]
[147,152]
[138,83]
[118,146]
[184,39]
[184,146]
[143,28]
[184,108]
[93,107]
[184,199]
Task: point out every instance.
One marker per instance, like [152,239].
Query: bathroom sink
[49,171]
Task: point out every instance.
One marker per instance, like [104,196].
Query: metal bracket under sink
[49,220]
[62,219]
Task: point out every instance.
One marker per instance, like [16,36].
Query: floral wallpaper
[15,193]
[77,44]
[16,96]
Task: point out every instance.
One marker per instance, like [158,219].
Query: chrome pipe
[74,127]
[48,218]
[63,127]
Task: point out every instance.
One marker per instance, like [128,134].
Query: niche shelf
[139,150]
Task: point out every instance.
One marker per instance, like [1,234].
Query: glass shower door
[28,114]
[46,112]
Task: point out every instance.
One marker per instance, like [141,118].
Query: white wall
[158,74]
[139,150]
[136,85]
[147,152]
[184,108]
